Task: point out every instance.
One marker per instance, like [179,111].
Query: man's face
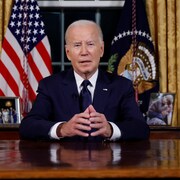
[84,49]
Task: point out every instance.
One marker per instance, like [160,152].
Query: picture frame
[160,109]
[9,111]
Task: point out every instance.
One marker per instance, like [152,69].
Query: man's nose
[84,49]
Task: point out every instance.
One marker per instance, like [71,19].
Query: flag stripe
[32,92]
[16,61]
[34,68]
[9,79]
[33,83]
[2,93]
[4,85]
[44,53]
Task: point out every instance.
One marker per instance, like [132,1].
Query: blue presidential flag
[132,52]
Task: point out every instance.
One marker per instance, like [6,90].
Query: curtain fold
[5,10]
[178,57]
[164,20]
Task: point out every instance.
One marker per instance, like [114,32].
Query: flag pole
[134,44]
[25,95]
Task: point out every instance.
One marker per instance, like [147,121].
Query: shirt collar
[92,80]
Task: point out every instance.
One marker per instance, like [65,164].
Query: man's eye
[90,44]
[77,45]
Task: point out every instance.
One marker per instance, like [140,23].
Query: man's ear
[67,52]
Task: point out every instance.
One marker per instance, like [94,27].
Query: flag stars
[31,8]
[136,32]
[31,16]
[25,16]
[29,31]
[12,24]
[22,39]
[37,16]
[13,16]
[140,32]
[17,31]
[15,8]
[115,38]
[30,23]
[147,35]
[35,31]
[144,34]
[124,34]
[120,36]
[34,39]
[26,24]
[42,31]
[28,39]
[18,23]
[131,33]
[128,33]
[20,16]
[36,24]
[26,48]
[42,24]
[37,8]
[21,8]
[26,8]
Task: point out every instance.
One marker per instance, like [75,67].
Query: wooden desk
[157,158]
[11,132]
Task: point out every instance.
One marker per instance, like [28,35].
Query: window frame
[62,5]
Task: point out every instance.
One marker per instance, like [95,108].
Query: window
[58,14]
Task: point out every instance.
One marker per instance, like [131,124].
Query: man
[113,115]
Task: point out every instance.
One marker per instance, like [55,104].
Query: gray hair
[84,22]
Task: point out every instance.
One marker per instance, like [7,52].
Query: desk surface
[41,160]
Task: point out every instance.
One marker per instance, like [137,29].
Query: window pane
[71,15]
[53,30]
[109,20]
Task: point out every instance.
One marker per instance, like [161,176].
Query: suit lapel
[102,92]
[70,92]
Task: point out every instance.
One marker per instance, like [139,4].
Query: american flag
[25,57]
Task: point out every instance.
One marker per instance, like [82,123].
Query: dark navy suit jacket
[57,100]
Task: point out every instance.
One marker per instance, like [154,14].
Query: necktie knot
[85,83]
[85,95]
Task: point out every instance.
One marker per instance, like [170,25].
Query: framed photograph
[9,110]
[160,110]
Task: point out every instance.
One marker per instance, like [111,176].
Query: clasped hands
[81,124]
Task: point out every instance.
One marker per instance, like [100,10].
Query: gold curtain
[164,20]
[5,10]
